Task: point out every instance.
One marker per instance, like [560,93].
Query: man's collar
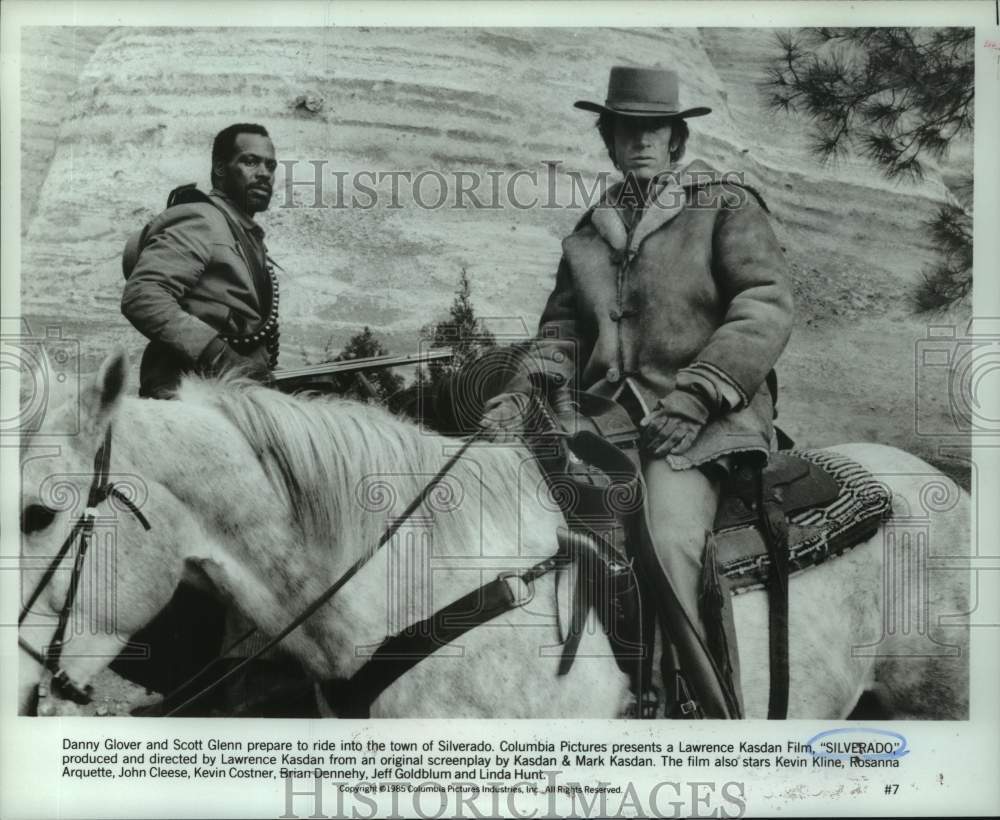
[244,219]
[666,203]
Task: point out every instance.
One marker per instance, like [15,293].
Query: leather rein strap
[774,528]
[398,654]
[100,489]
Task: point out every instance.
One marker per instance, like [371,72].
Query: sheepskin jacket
[696,290]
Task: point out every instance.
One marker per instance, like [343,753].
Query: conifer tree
[895,96]
[462,331]
[375,385]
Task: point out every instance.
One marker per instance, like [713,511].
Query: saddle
[801,509]
[593,448]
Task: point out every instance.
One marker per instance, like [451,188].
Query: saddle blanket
[815,533]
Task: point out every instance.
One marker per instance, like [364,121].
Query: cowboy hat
[643,92]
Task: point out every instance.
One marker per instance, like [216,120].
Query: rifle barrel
[370,363]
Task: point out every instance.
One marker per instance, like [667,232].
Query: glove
[218,358]
[674,423]
[503,415]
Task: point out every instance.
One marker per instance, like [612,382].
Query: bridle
[101,489]
[506,589]
[81,533]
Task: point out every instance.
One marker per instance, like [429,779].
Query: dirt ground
[113,696]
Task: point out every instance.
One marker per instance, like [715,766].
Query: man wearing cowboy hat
[672,298]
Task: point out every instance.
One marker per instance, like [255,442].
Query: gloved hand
[504,415]
[218,358]
[674,423]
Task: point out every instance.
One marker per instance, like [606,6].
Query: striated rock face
[113,119]
[51,61]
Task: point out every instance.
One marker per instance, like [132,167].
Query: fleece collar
[667,202]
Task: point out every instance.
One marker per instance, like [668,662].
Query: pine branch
[897,96]
[950,281]
[941,288]
[892,93]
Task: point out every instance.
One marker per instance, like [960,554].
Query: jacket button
[614,375]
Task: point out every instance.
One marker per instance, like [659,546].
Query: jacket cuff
[209,357]
[723,391]
[685,404]
[519,384]
[533,382]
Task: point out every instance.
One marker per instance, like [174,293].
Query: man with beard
[199,284]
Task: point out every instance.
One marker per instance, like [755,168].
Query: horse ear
[100,399]
[39,378]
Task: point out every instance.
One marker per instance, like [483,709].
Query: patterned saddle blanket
[838,505]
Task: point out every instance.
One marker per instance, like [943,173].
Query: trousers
[680,509]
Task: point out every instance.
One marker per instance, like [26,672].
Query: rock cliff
[112,119]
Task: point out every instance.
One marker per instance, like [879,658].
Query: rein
[82,532]
[501,595]
[399,653]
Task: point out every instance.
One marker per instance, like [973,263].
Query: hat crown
[635,91]
[647,86]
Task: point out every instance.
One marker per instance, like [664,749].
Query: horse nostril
[36,517]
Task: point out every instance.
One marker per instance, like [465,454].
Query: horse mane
[331,458]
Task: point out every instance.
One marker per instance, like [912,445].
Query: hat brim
[597,108]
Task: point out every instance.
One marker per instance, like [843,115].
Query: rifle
[358,365]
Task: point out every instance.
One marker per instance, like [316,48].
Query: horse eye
[36,517]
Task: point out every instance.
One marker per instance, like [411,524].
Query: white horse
[271,498]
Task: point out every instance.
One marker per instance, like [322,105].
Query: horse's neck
[248,544]
[205,463]
[248,549]
[188,449]
[484,509]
